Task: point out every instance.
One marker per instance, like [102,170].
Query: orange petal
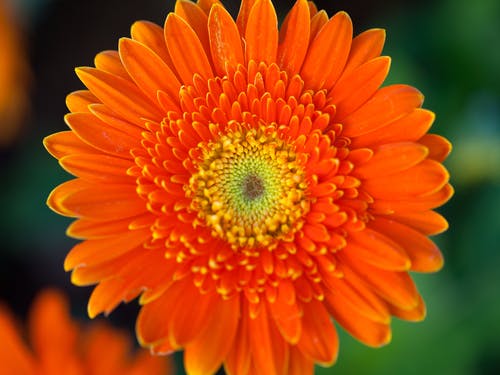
[206,5]
[261,33]
[14,356]
[147,69]
[112,119]
[238,358]
[423,179]
[107,295]
[57,197]
[117,345]
[360,156]
[162,347]
[365,330]
[318,21]
[196,18]
[420,203]
[52,333]
[168,103]
[299,364]
[392,158]
[353,291]
[354,89]
[373,247]
[98,168]
[294,38]
[66,143]
[388,104]
[426,222]
[225,41]
[145,363]
[134,266]
[205,354]
[88,229]
[287,316]
[109,61]
[84,228]
[152,36]
[146,272]
[395,287]
[153,319]
[242,19]
[325,189]
[265,344]
[410,127]
[96,201]
[439,147]
[366,46]
[313,9]
[123,96]
[424,254]
[187,52]
[100,135]
[93,274]
[342,56]
[317,232]
[101,250]
[187,322]
[415,314]
[328,52]
[319,340]
[78,101]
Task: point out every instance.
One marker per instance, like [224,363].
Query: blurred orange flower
[250,184]
[13,77]
[59,345]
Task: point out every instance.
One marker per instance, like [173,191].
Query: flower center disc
[253,187]
[250,188]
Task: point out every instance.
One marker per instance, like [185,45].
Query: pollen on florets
[250,188]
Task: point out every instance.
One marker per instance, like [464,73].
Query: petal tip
[47,143]
[380,31]
[68,264]
[82,70]
[91,311]
[386,339]
[123,40]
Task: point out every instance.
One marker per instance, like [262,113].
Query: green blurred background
[449,49]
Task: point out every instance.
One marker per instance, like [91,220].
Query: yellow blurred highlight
[475,160]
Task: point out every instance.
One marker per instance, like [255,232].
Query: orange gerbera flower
[59,345]
[251,184]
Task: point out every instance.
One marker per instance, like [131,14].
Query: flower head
[251,184]
[59,345]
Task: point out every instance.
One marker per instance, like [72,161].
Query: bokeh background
[449,49]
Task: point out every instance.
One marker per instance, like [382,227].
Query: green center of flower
[250,188]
